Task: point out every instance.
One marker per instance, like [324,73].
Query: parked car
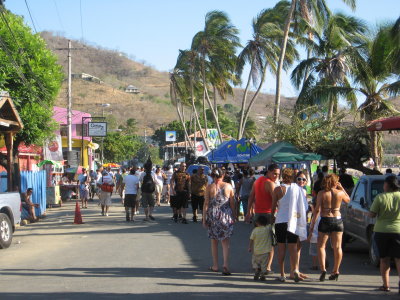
[357,223]
[10,215]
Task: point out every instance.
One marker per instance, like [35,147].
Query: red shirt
[263,199]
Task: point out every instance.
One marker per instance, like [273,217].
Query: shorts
[147,200]
[259,261]
[181,200]
[172,201]
[159,189]
[105,198]
[269,218]
[388,244]
[330,224]
[197,202]
[130,200]
[283,236]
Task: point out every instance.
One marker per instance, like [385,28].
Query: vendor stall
[54,171]
[234,151]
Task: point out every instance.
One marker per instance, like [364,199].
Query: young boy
[260,245]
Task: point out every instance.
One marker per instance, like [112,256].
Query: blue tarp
[234,152]
[37,181]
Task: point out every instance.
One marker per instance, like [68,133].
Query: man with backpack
[148,187]
[180,186]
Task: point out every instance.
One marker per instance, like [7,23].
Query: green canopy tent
[282,153]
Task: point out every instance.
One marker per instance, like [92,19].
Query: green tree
[119,147]
[308,10]
[30,73]
[261,53]
[333,51]
[216,45]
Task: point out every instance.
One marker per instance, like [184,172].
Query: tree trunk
[331,108]
[203,71]
[280,63]
[196,115]
[173,94]
[252,101]
[244,100]
[215,101]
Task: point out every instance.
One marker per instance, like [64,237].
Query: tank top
[263,203]
[245,188]
[282,215]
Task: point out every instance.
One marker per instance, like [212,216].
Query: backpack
[148,185]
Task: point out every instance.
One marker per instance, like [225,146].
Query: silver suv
[357,223]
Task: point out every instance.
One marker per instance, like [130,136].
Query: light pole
[103,106]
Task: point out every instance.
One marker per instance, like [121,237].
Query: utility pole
[69,107]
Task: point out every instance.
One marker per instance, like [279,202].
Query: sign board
[170,136]
[212,138]
[200,148]
[97,129]
[53,149]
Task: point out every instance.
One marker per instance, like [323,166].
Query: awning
[385,124]
[50,162]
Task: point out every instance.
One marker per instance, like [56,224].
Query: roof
[198,135]
[60,115]
[385,124]
[9,116]
[132,87]
[179,145]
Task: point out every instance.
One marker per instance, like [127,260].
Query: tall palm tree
[309,10]
[334,51]
[262,53]
[216,46]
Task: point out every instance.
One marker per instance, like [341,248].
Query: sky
[154,30]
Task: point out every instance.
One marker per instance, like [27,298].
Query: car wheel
[373,252]
[6,232]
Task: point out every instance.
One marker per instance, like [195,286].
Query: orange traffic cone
[78,215]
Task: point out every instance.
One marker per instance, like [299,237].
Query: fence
[37,181]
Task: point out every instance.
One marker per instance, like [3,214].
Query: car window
[376,189]
[359,193]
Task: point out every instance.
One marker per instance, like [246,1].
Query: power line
[80,10]
[58,14]
[33,23]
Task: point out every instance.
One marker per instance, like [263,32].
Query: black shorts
[197,202]
[388,244]
[283,236]
[172,201]
[330,224]
[130,200]
[181,200]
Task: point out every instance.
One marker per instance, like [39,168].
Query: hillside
[152,107]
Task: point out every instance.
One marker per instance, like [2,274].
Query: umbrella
[111,165]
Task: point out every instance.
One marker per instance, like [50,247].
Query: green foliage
[159,134]
[149,150]
[333,138]
[119,147]
[29,72]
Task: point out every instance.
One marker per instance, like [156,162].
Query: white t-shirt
[159,179]
[152,175]
[169,174]
[131,184]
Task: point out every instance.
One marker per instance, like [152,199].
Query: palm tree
[262,53]
[334,51]
[309,10]
[216,46]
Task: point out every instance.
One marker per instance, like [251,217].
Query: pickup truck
[10,215]
[357,223]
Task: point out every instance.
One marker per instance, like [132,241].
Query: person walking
[131,185]
[346,180]
[219,206]
[260,245]
[287,197]
[180,184]
[330,225]
[83,181]
[261,199]
[386,210]
[121,189]
[244,189]
[106,185]
[159,175]
[92,182]
[148,187]
[168,173]
[198,184]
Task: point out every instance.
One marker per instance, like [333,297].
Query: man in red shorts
[260,200]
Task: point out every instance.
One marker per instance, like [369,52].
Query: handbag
[106,187]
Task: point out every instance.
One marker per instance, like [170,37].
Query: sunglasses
[301,179]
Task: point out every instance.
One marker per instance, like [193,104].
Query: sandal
[383,289]
[226,272]
[212,270]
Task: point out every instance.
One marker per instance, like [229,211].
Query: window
[360,192]
[376,189]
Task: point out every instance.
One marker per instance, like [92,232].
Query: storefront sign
[97,129]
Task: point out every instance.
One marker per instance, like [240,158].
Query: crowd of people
[276,203]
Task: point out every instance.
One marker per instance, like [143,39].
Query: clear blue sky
[154,30]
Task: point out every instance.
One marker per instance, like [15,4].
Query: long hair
[330,181]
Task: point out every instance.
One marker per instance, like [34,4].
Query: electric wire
[80,10]
[58,15]
[33,23]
